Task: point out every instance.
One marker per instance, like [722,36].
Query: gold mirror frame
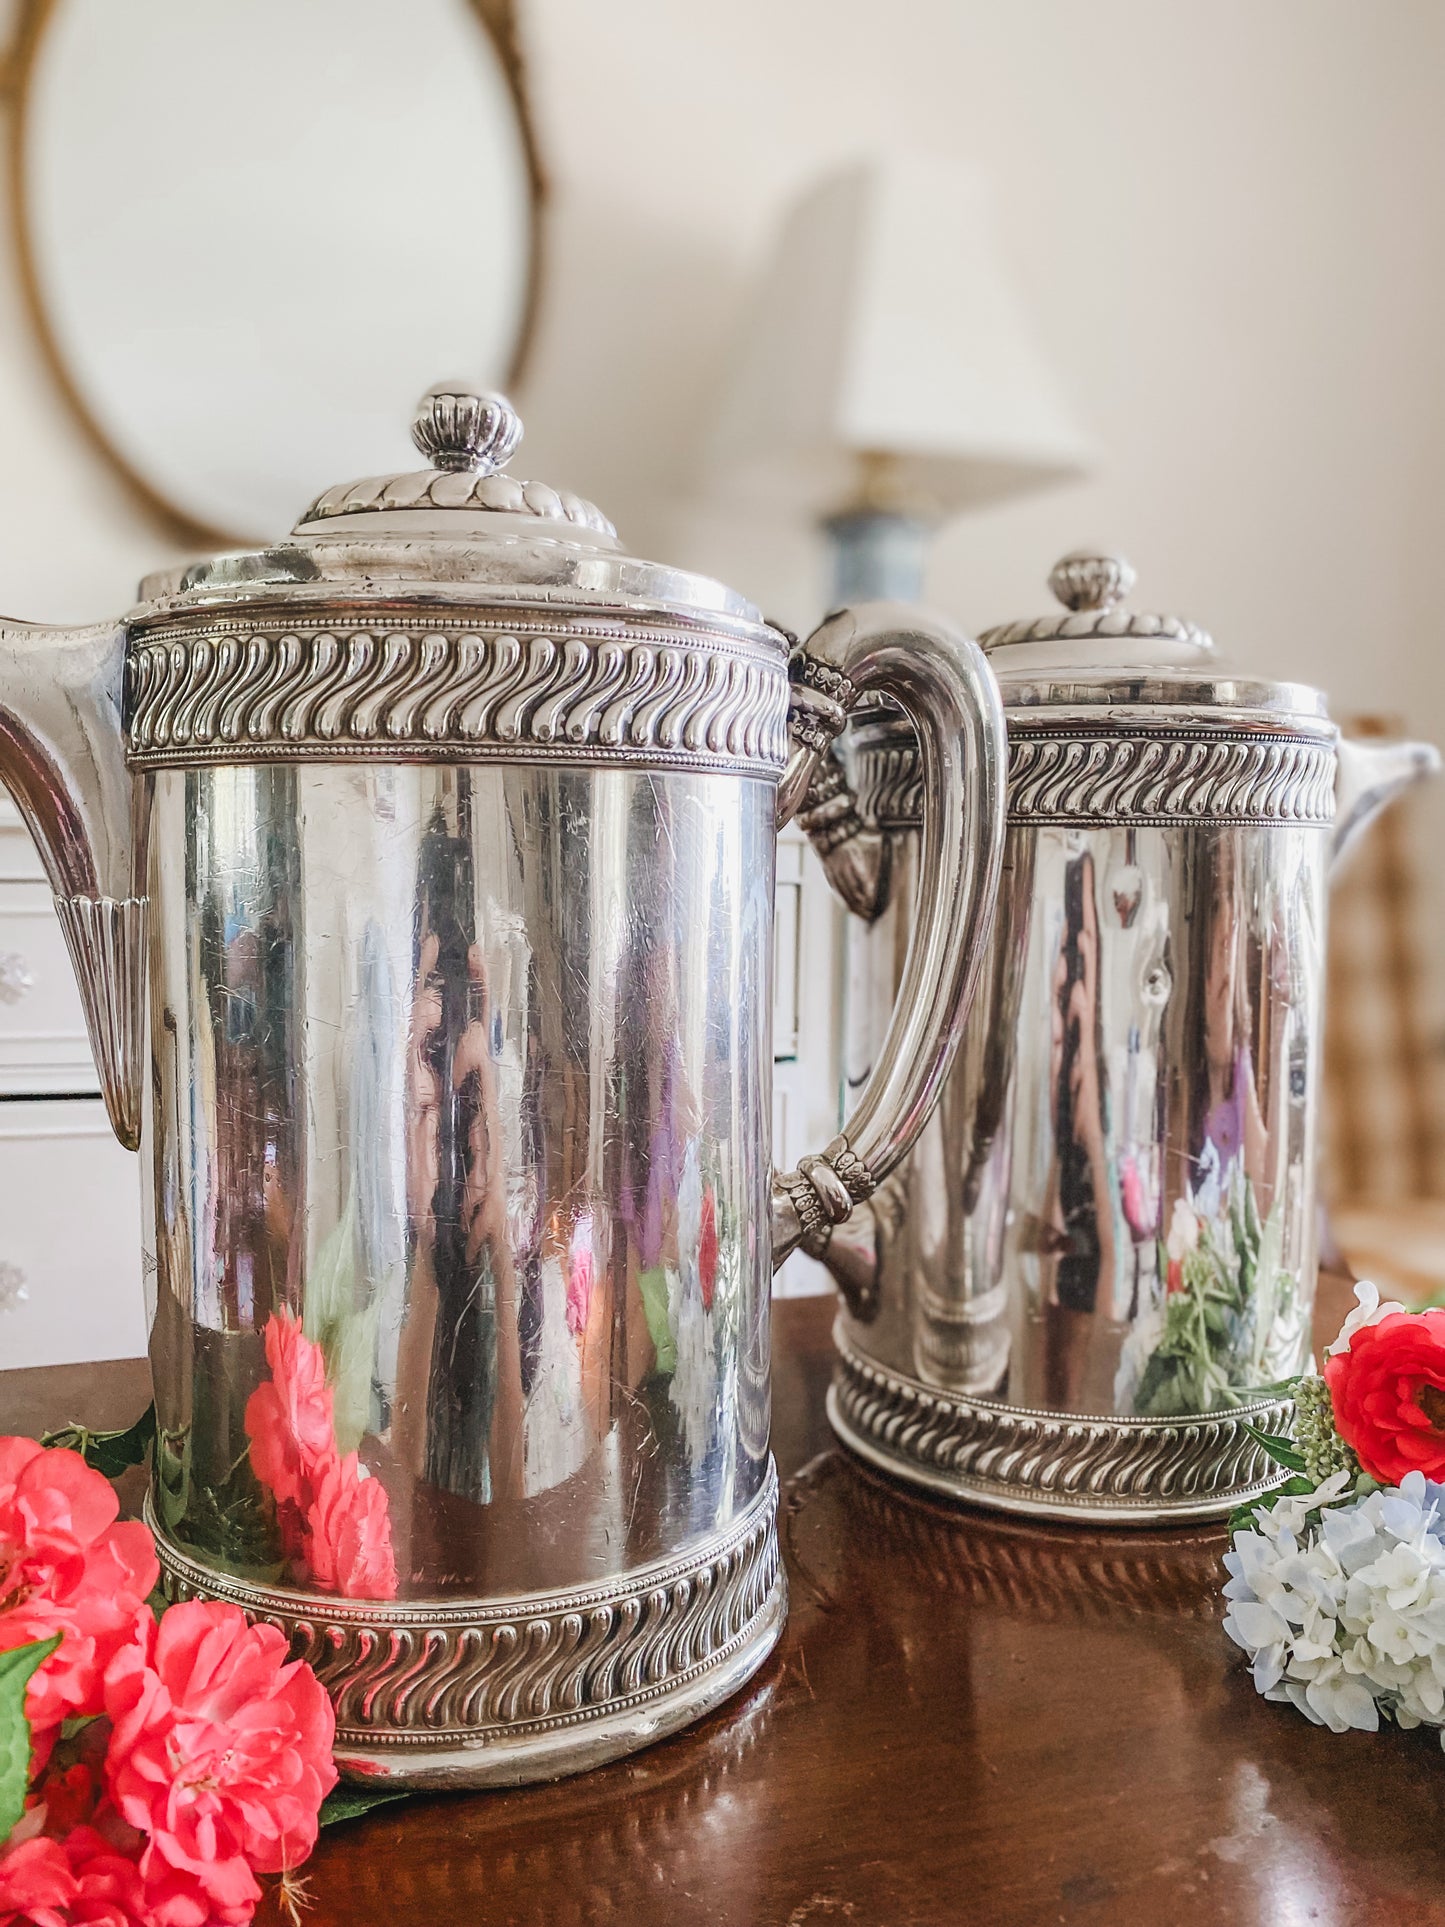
[497,19]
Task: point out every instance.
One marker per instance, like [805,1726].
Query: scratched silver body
[419,878]
[1071,1298]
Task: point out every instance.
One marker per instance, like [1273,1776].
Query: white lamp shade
[885,327]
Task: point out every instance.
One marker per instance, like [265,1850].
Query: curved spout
[62,756]
[1371,775]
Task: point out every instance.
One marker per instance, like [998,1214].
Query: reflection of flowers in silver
[1223,1314]
[693,1389]
[13,1289]
[1341,1606]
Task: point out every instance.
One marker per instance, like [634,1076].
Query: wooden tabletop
[968,1721]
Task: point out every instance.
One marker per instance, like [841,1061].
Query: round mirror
[255,230]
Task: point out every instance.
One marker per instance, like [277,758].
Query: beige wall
[1228,219]
[1229,222]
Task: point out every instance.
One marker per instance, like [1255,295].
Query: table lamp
[886,378]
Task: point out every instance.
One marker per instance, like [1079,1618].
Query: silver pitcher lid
[459,527]
[468,438]
[1094,651]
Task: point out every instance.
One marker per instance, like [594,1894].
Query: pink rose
[70,1797]
[220,1754]
[348,1528]
[67,1567]
[83,1880]
[290,1420]
[110,1891]
[36,1884]
[335,1521]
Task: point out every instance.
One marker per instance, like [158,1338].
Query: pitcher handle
[945,686]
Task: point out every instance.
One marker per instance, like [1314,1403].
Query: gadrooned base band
[1104,1470]
[531,1687]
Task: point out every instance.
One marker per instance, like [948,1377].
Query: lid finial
[1082,580]
[457,427]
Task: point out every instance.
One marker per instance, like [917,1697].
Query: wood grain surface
[969,1720]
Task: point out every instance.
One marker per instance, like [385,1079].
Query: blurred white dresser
[70,1278]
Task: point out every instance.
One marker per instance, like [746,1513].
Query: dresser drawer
[70,1251]
[43,1045]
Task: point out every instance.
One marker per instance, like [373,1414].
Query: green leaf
[16,1667]
[1281,1388]
[110,1453]
[1283,1451]
[1244,1517]
[350,1802]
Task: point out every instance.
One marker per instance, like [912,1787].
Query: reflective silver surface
[446,904]
[466,1068]
[1137,1085]
[1100,1255]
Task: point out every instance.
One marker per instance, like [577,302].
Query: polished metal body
[425,922]
[1078,1290]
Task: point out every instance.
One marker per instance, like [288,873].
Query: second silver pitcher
[1076,1294]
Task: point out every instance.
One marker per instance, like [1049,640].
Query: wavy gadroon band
[419,686]
[1058,1464]
[1164,777]
[434,1693]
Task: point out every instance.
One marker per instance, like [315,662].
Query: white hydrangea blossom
[1368,1311]
[1345,1616]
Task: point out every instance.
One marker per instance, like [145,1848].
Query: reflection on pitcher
[1223,1314]
[1166,1147]
[533,1301]
[1080,1209]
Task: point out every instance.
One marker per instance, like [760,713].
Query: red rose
[66,1567]
[1388,1392]
[220,1754]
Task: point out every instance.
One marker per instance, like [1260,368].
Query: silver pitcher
[418,876]
[1078,1290]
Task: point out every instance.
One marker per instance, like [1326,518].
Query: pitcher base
[1093,1468]
[507,1691]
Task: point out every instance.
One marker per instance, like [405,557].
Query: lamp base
[877,556]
